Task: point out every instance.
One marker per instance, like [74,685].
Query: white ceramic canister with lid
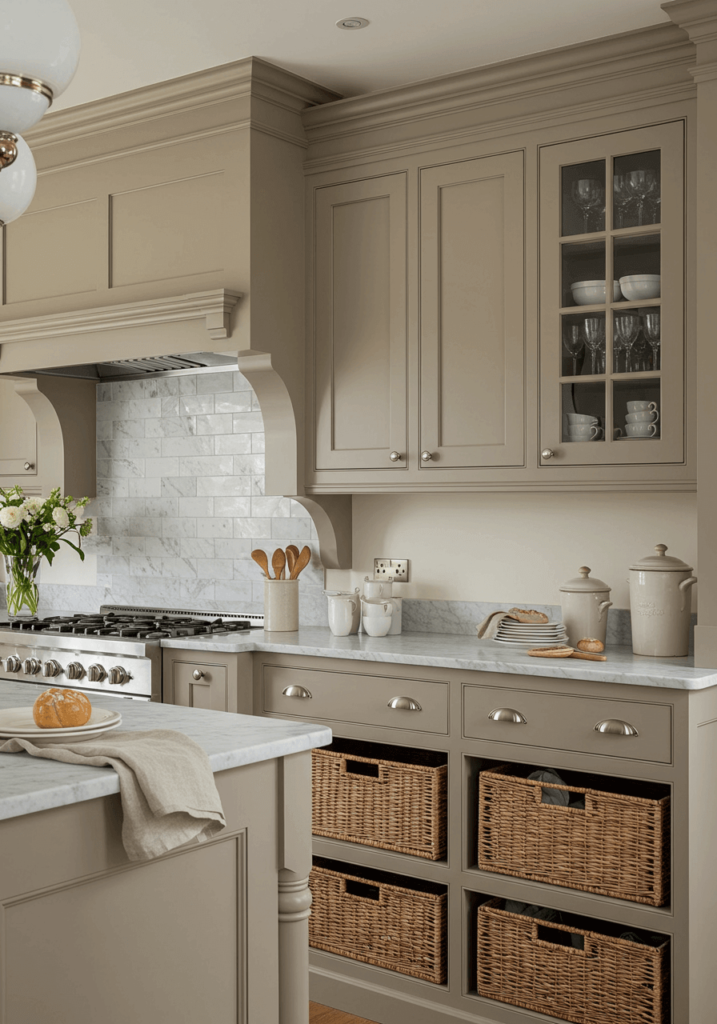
[585,602]
[661,605]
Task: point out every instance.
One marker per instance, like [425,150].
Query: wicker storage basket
[380,919]
[610,981]
[617,846]
[380,795]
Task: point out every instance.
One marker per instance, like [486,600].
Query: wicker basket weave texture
[611,981]
[617,846]
[404,930]
[402,807]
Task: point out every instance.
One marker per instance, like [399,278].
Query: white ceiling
[127,44]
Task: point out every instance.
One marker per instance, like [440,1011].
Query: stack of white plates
[19,723]
[512,633]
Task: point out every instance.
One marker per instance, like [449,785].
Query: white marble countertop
[448,650]
[29,784]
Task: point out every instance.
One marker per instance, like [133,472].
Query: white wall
[499,548]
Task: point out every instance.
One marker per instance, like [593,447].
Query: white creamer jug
[661,605]
[584,603]
[344,612]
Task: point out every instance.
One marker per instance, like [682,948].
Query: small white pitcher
[344,613]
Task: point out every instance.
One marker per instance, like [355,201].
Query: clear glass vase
[20,587]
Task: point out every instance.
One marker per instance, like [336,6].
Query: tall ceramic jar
[584,603]
[661,605]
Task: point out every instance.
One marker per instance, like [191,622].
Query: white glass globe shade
[17,184]
[40,40]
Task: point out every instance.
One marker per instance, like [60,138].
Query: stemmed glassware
[627,328]
[652,333]
[587,193]
[642,186]
[622,198]
[573,344]
[594,328]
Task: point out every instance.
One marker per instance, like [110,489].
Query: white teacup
[377,590]
[376,609]
[642,406]
[585,432]
[377,625]
[641,429]
[577,418]
[642,417]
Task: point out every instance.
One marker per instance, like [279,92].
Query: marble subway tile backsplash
[180,501]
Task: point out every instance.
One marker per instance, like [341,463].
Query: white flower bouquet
[32,529]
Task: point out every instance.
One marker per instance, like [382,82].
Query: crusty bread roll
[527,615]
[589,643]
[58,709]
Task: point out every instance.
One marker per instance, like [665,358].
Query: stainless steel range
[116,651]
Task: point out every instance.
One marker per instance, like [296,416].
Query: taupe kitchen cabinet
[18,439]
[410,396]
[611,209]
[673,748]
[209,680]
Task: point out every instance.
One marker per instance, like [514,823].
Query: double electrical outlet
[395,567]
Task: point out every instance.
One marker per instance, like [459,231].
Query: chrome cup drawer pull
[507,715]
[296,691]
[616,727]
[404,704]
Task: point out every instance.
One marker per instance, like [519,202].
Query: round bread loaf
[58,709]
[589,643]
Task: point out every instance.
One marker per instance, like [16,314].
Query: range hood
[146,366]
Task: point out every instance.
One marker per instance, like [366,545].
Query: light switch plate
[395,567]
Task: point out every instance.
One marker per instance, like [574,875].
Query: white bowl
[638,287]
[377,625]
[592,293]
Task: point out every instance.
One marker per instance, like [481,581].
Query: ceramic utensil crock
[281,605]
[661,605]
[585,603]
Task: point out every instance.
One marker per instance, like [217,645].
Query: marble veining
[29,784]
[463,652]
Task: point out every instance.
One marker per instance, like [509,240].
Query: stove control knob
[75,670]
[51,668]
[31,666]
[13,663]
[96,674]
[118,676]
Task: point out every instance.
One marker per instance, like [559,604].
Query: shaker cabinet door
[360,368]
[18,437]
[471,314]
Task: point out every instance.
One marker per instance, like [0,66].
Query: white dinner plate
[18,722]
[528,633]
[530,643]
[514,624]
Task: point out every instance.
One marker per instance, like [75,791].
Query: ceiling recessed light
[352,23]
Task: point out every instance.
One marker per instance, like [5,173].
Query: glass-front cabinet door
[611,317]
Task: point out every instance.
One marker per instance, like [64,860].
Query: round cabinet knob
[31,666]
[507,715]
[96,673]
[395,456]
[118,676]
[51,669]
[547,453]
[616,727]
[28,466]
[426,456]
[197,674]
[76,671]
[13,663]
[404,704]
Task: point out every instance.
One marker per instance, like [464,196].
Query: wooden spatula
[262,561]
[292,553]
[301,562]
[278,561]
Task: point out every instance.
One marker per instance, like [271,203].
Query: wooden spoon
[278,561]
[262,561]
[292,553]
[301,562]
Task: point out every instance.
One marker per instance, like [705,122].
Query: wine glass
[642,185]
[618,348]
[622,198]
[587,193]
[573,344]
[641,354]
[652,333]
[627,328]
[594,329]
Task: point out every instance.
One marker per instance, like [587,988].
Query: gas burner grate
[130,626]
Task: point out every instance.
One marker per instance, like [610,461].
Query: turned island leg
[294,893]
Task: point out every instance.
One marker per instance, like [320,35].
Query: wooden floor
[319,1014]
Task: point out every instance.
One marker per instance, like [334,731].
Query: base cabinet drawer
[413,704]
[585,725]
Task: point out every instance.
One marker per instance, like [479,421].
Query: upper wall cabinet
[418,327]
[18,440]
[612,358]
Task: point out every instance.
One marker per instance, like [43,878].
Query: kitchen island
[214,930]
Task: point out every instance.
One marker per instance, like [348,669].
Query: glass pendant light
[39,51]
[18,176]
